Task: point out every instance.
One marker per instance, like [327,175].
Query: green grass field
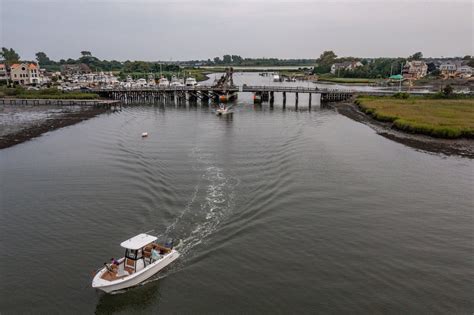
[51,93]
[443,118]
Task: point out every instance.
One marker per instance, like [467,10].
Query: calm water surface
[277,211]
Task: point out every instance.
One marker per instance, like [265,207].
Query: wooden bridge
[217,93]
[169,93]
[267,93]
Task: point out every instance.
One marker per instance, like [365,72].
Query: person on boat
[114,264]
[155,255]
[109,267]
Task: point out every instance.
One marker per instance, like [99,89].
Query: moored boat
[176,82]
[191,81]
[143,258]
[163,82]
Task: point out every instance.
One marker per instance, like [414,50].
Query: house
[3,72]
[464,71]
[345,66]
[456,68]
[449,68]
[25,73]
[70,69]
[415,70]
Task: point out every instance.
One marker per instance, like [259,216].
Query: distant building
[449,68]
[25,73]
[3,72]
[70,69]
[346,66]
[464,71]
[456,68]
[415,70]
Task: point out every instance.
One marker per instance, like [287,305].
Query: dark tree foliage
[325,61]
[9,55]
[43,59]
[416,56]
[448,90]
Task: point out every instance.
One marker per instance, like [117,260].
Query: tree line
[236,60]
[94,63]
[373,67]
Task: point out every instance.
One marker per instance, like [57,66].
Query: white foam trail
[204,212]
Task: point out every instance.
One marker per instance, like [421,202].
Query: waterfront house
[3,72]
[345,66]
[25,73]
[464,71]
[448,68]
[415,70]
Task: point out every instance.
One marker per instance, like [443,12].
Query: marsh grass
[443,118]
[51,93]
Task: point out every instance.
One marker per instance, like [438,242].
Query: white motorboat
[191,82]
[224,110]
[176,82]
[140,83]
[163,82]
[143,258]
[276,78]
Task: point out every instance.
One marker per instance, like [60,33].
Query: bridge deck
[199,88]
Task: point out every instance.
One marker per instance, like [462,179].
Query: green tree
[43,59]
[236,59]
[448,90]
[416,56]
[324,62]
[86,53]
[227,59]
[10,56]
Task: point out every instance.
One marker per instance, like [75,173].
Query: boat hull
[134,279]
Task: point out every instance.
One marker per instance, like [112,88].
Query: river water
[275,211]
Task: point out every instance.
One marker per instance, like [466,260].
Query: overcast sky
[195,29]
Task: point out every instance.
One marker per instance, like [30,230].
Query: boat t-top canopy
[139,241]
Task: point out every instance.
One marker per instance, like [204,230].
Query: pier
[164,94]
[216,93]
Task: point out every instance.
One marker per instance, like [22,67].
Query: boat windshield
[133,253]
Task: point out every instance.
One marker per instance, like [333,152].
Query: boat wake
[211,202]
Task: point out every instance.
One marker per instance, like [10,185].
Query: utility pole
[401,77]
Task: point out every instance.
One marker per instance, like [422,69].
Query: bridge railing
[295,89]
[167,89]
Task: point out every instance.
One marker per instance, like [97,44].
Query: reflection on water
[133,300]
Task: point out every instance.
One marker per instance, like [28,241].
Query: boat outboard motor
[169,243]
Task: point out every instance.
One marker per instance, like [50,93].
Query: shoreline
[50,124]
[461,147]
